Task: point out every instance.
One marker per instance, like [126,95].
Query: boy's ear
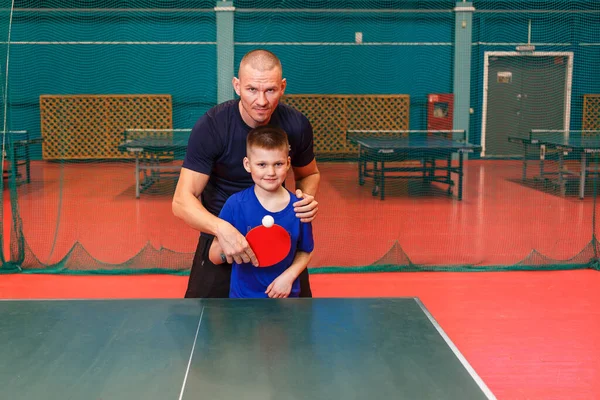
[289,162]
[247,164]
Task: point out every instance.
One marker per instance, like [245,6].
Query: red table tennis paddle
[270,245]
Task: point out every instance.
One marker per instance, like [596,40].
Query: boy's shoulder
[293,197]
[293,194]
[247,196]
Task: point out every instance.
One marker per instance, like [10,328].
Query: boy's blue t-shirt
[244,212]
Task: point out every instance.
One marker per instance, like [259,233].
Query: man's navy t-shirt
[217,148]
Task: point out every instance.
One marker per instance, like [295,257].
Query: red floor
[529,335]
[498,222]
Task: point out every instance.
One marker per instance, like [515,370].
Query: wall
[155,50]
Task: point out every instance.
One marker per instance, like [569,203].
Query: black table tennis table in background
[17,153]
[426,147]
[376,349]
[582,144]
[151,147]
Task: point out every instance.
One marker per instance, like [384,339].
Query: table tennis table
[150,150]
[424,146]
[386,348]
[19,154]
[580,143]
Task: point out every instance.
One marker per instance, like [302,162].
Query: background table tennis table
[380,146]
[387,348]
[579,143]
[19,154]
[150,151]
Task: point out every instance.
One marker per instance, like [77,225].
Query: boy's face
[268,168]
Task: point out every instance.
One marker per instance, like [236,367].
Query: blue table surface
[230,349]
[558,139]
[412,142]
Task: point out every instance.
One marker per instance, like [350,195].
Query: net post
[225,49]
[462,66]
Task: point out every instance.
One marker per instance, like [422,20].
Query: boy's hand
[306,209]
[280,287]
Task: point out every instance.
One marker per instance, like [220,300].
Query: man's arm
[307,178]
[307,181]
[188,207]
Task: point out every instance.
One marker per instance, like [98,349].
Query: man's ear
[283,85]
[247,164]
[236,85]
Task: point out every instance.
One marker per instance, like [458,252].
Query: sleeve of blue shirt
[306,242]
[228,211]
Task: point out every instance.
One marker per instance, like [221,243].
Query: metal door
[524,92]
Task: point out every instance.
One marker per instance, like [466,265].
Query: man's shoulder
[222,110]
[216,120]
[289,114]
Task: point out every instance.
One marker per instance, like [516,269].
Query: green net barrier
[8,234]
[433,123]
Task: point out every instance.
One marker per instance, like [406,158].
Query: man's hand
[234,245]
[281,287]
[306,209]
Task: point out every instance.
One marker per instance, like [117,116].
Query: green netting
[4,33]
[88,87]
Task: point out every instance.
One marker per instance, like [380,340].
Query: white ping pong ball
[268,221]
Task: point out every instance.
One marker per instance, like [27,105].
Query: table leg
[561,181]
[361,166]
[137,175]
[448,172]
[13,164]
[582,174]
[27,162]
[376,187]
[382,185]
[525,148]
[460,175]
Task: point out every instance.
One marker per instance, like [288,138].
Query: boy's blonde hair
[267,137]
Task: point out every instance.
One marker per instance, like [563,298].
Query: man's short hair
[261,60]
[267,137]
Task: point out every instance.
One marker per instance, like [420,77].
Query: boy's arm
[282,285]
[215,251]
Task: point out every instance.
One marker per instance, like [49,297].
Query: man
[213,170]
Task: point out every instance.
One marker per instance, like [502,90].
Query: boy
[267,160]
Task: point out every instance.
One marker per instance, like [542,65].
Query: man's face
[259,93]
